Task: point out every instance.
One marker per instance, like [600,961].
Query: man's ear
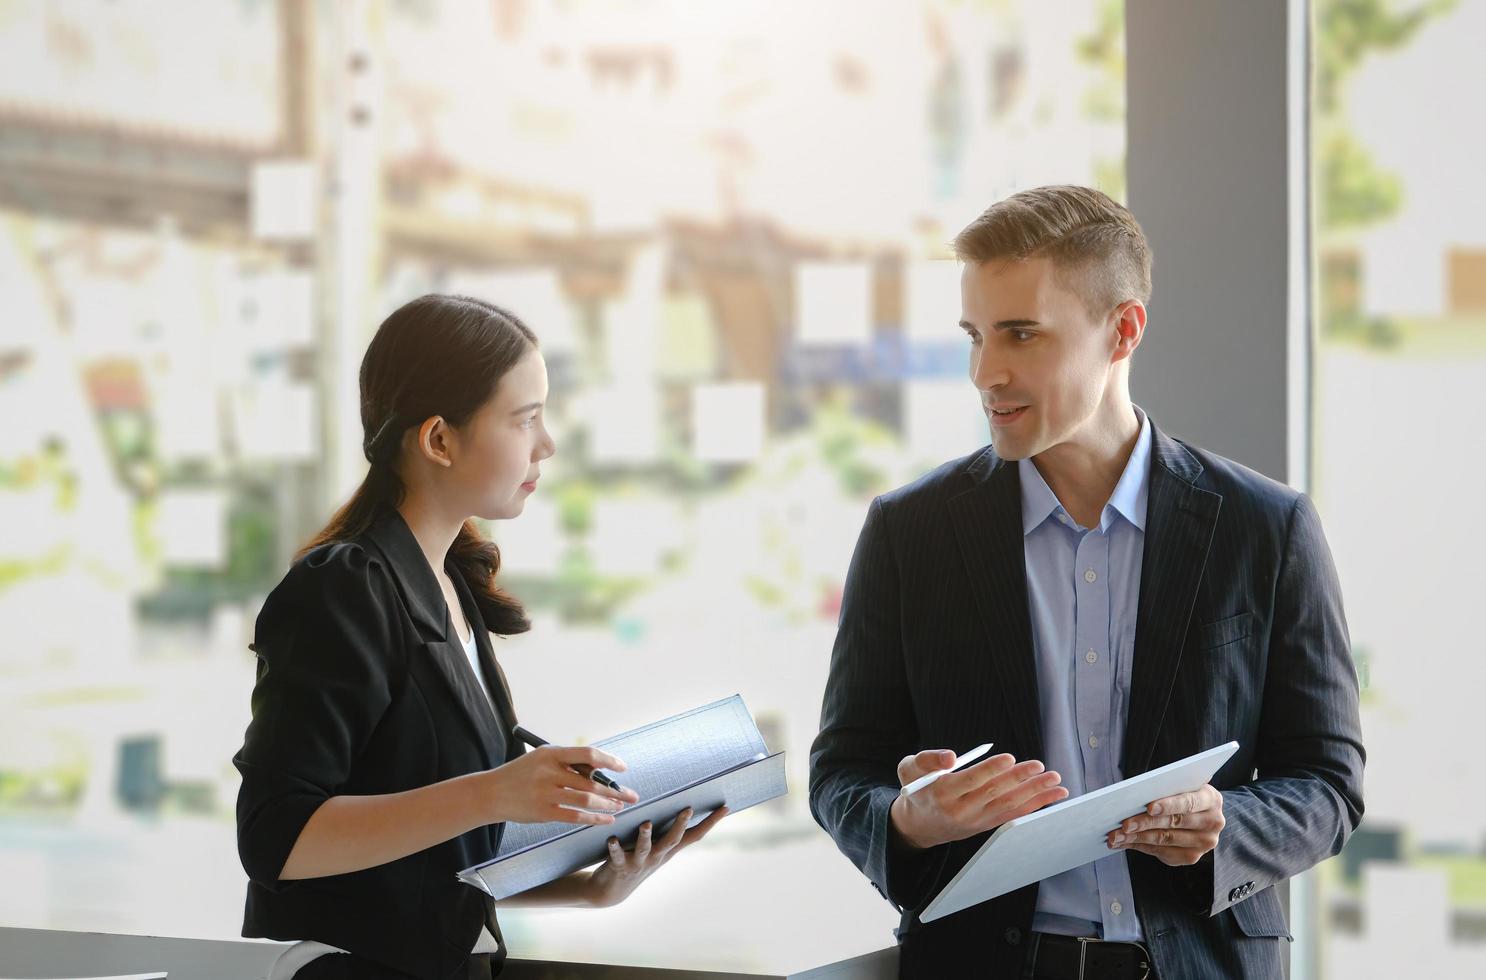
[433,441]
[1128,321]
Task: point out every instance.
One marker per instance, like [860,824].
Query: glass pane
[727,222]
[1399,371]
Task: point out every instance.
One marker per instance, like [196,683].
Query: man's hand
[1177,830]
[963,804]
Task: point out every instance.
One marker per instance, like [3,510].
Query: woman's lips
[529,485]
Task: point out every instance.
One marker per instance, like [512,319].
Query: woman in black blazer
[379,761]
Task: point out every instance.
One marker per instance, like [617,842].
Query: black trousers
[347,966]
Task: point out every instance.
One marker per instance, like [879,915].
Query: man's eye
[1021,334]
[974,338]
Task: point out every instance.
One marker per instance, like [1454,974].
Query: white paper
[1068,834]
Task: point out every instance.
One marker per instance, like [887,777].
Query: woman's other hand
[613,881]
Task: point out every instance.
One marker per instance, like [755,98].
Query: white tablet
[1067,834]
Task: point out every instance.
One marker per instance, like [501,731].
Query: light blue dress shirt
[1083,586]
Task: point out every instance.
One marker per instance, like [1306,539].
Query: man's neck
[1083,472]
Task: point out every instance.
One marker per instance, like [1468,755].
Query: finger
[1028,796]
[587,755]
[568,814]
[1168,838]
[1201,820]
[581,783]
[1180,803]
[974,778]
[584,797]
[674,832]
[700,830]
[1172,856]
[644,842]
[911,767]
[999,784]
[617,857]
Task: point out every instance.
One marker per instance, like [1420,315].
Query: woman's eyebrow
[526,408]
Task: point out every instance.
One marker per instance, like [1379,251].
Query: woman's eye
[529,422]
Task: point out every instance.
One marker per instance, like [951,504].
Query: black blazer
[1239,636]
[362,689]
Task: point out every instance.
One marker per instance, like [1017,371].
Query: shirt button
[1093,741]
[1090,575]
[1116,907]
[1091,657]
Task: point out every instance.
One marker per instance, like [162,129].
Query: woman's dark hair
[436,355]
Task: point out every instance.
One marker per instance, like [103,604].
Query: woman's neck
[434,530]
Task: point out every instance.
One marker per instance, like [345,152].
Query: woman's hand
[541,785]
[613,881]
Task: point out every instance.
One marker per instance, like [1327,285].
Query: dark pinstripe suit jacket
[1239,636]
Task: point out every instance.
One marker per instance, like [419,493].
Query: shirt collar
[1128,499]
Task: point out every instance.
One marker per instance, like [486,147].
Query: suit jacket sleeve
[1307,798]
[868,725]
[324,643]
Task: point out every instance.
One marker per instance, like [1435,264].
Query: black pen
[536,742]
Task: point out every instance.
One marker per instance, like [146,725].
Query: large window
[1399,373]
[727,222]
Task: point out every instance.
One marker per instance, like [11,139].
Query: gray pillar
[1218,111]
[1218,104]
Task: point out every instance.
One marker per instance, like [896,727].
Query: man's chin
[1010,450]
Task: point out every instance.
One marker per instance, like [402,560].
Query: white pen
[960,763]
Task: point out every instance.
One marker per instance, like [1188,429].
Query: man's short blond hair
[1093,241]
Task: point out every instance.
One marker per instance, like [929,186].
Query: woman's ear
[433,441]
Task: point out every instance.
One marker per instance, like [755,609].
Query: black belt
[1054,957]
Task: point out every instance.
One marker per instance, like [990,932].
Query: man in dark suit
[1098,599]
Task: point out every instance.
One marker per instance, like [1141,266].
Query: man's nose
[986,372]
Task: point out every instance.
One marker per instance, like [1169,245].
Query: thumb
[925,762]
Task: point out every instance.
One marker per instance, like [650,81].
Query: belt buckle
[1083,952]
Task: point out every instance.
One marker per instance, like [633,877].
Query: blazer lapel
[1180,519]
[430,614]
[495,678]
[988,519]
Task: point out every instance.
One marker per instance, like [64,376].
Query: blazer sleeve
[1307,798]
[326,647]
[868,725]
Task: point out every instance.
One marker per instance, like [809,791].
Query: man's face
[1035,352]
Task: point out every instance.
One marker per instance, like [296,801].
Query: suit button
[1013,936]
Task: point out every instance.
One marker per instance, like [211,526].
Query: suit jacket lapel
[1180,519]
[988,519]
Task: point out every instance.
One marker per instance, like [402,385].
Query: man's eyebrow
[1002,325]
[526,408]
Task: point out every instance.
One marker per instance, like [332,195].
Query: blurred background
[728,223]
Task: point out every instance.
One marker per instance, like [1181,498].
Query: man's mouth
[1005,415]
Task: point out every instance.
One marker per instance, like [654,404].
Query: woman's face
[503,444]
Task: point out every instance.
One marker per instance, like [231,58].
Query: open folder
[705,758]
[1068,834]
